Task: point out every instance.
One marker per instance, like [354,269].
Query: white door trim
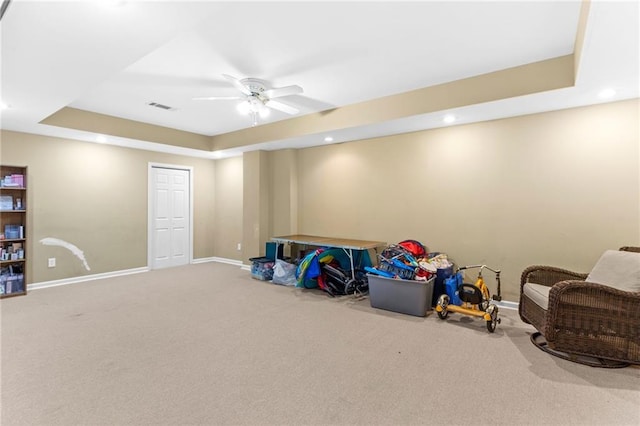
[150,212]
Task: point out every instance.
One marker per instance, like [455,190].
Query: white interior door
[170,217]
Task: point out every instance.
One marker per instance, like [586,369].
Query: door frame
[150,212]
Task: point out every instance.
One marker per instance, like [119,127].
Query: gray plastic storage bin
[404,296]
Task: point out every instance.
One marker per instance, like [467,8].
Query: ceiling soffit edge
[550,74]
[526,79]
[78,119]
[580,35]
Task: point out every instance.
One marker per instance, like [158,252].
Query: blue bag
[452,285]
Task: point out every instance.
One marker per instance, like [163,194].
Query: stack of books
[13,232]
[14,180]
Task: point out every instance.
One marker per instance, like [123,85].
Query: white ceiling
[114,57]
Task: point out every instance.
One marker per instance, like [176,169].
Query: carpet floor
[206,344]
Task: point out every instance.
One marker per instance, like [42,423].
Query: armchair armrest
[578,307]
[548,275]
[630,248]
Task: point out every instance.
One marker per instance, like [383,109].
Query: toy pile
[409,260]
[329,270]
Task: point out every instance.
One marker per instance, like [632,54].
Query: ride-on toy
[470,299]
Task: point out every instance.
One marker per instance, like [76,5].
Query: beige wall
[256,204]
[228,211]
[95,197]
[284,193]
[554,188]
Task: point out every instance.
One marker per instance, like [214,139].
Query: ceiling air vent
[161,106]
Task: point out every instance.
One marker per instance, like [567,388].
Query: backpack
[416,248]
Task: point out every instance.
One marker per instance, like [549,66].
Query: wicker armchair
[581,318]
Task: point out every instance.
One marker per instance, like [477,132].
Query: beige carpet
[206,344]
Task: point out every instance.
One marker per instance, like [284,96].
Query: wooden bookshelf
[13,231]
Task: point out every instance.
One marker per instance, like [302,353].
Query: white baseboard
[203,260]
[217,259]
[83,278]
[507,304]
[223,260]
[73,280]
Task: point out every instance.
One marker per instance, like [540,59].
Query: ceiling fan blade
[282,91]
[216,98]
[238,84]
[282,107]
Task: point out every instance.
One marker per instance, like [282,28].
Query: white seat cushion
[618,269]
[538,293]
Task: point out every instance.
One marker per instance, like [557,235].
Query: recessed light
[449,118]
[328,139]
[607,93]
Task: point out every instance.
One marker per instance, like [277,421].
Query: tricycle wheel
[491,324]
[443,302]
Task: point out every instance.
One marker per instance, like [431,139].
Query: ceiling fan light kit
[258,100]
[250,105]
[255,107]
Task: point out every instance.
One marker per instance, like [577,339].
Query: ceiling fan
[257,99]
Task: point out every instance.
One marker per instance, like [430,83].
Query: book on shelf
[13,232]
[18,179]
[6,202]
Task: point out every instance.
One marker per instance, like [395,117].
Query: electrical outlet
[239,246]
[52,262]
